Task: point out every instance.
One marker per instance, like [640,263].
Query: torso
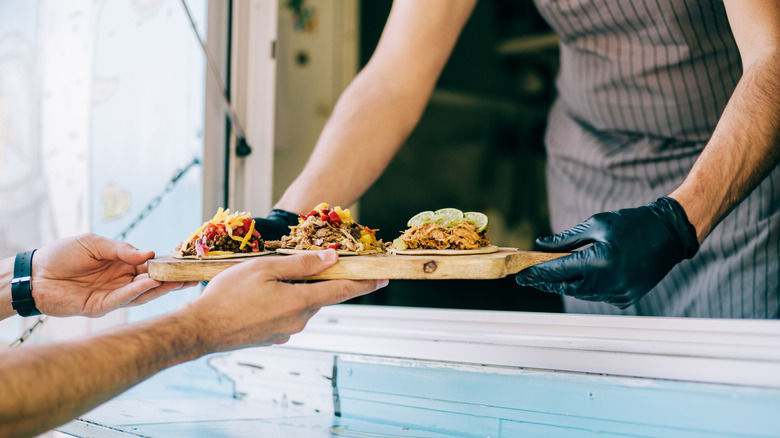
[641,87]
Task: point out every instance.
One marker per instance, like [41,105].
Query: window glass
[147,125]
[101,105]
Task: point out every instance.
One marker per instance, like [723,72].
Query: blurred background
[111,122]
[479,147]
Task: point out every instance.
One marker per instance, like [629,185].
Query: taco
[226,235]
[326,228]
[447,231]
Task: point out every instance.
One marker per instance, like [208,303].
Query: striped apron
[640,89]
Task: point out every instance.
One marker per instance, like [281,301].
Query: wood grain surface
[499,264]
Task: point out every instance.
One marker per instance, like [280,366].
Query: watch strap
[21,285]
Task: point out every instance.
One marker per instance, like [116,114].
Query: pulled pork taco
[227,235]
[447,231]
[326,228]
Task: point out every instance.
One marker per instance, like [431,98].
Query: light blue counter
[359,371]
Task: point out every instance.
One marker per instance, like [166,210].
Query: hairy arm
[745,145]
[46,385]
[382,105]
[43,386]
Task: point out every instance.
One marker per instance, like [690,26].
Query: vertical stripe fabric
[640,89]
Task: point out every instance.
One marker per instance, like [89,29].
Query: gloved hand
[633,249]
[276,225]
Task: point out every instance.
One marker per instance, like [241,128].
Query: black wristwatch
[21,285]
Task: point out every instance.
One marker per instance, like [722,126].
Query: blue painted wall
[471,402]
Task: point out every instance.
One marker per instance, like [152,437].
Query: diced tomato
[247,223]
[334,217]
[324,217]
[334,245]
[256,233]
[312,213]
[238,231]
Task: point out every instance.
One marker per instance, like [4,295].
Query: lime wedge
[399,244]
[447,217]
[479,220]
[420,218]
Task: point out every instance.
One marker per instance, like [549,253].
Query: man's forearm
[744,148]
[355,147]
[47,385]
[379,109]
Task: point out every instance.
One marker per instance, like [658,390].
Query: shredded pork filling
[434,236]
[315,234]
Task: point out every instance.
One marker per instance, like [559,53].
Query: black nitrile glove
[633,249]
[276,225]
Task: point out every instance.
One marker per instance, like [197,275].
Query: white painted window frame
[215,125]
[252,82]
[253,88]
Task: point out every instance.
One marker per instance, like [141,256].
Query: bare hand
[250,305]
[89,275]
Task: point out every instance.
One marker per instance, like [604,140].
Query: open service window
[478,146]
[476,357]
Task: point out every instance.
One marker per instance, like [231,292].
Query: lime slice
[479,220]
[399,244]
[420,218]
[447,217]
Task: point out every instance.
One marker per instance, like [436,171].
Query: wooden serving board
[499,264]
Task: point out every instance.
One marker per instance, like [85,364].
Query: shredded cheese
[215,253]
[248,234]
[229,222]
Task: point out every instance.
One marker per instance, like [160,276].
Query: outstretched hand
[251,304]
[90,275]
[632,250]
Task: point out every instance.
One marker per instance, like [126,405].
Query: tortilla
[340,251]
[483,250]
[177,255]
